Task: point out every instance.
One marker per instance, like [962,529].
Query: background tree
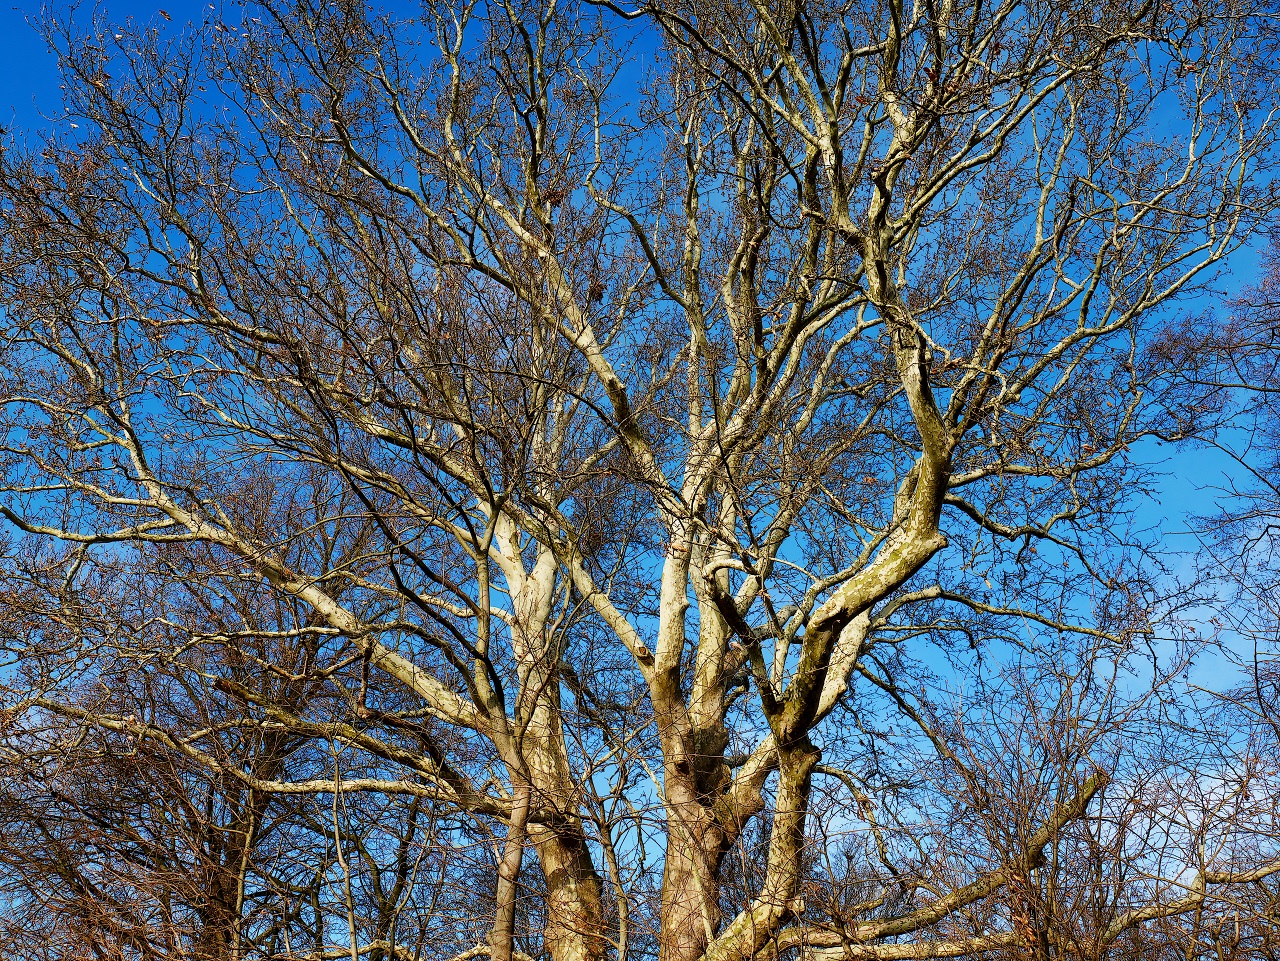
[1232,354]
[593,490]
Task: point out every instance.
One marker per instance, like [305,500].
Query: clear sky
[28,71]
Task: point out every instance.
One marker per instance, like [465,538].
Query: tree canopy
[588,480]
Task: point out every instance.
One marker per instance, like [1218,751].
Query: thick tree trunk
[690,888]
[694,776]
[575,905]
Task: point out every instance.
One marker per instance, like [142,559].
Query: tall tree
[610,465]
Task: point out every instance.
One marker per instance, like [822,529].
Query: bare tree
[590,489]
[1232,355]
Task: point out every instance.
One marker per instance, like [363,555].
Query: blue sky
[27,74]
[28,71]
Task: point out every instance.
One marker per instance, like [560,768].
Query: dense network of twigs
[552,479]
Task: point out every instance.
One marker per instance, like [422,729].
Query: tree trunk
[690,889]
[575,907]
